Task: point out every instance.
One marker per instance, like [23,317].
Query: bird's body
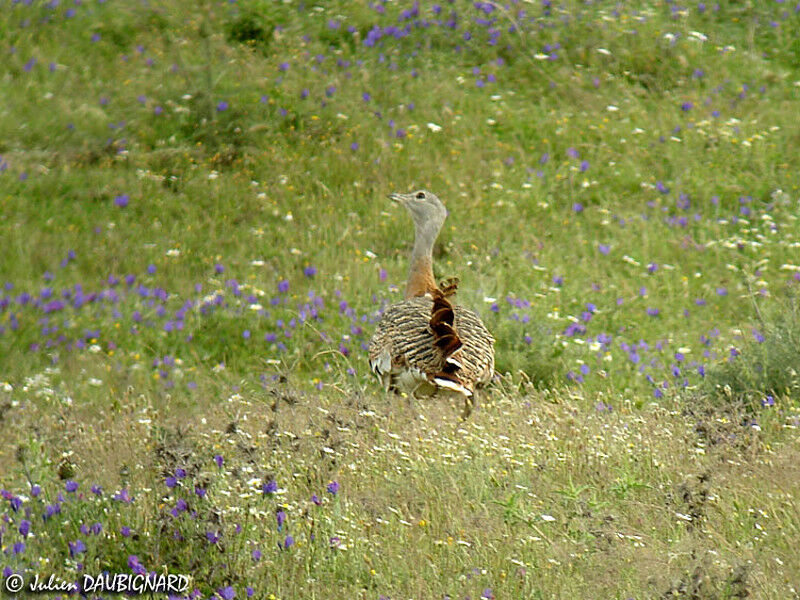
[403,355]
[425,345]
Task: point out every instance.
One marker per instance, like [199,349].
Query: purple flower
[288,542]
[653,312]
[280,517]
[171,482]
[333,487]
[123,496]
[283,67]
[212,537]
[269,487]
[76,547]
[226,593]
[125,531]
[222,106]
[122,200]
[315,499]
[584,166]
[24,527]
[70,486]
[768,401]
[310,271]
[256,554]
[577,207]
[604,249]
[283,286]
[151,269]
[135,565]
[219,460]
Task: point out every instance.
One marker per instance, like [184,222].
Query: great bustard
[424,344]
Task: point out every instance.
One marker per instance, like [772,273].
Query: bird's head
[425,208]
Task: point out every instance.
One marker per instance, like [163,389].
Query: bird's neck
[420,275]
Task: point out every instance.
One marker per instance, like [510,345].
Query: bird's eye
[420,195]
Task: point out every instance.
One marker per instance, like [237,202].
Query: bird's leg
[470,404]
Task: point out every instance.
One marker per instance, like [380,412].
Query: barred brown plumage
[425,344]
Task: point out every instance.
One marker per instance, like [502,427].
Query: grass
[197,245]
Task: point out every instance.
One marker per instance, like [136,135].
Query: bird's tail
[446,340]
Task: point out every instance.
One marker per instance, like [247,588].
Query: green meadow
[197,243]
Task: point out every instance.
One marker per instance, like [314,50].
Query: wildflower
[171,482]
[123,496]
[125,531]
[24,527]
[256,555]
[315,499]
[604,248]
[76,547]
[283,286]
[122,200]
[219,460]
[310,271]
[135,565]
[577,207]
[226,593]
[212,537]
[288,542]
[269,487]
[768,401]
[333,487]
[653,312]
[70,486]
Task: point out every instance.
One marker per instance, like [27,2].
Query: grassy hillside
[197,244]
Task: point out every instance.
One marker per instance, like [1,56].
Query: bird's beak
[399,198]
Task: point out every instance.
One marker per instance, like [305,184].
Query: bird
[425,345]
